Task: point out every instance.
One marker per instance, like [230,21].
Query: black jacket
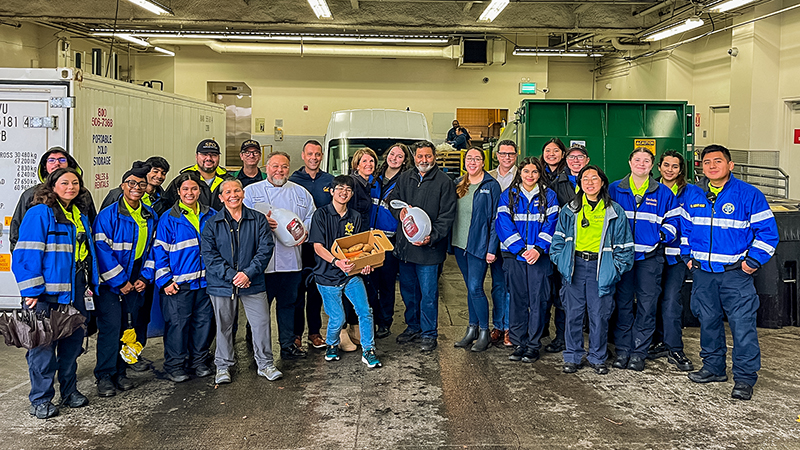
[253,252]
[564,189]
[157,201]
[436,195]
[361,201]
[207,198]
[25,200]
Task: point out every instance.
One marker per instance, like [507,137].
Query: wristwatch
[333,261]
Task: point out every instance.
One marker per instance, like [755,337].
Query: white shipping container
[105,124]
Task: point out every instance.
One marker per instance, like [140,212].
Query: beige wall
[19,47]
[570,79]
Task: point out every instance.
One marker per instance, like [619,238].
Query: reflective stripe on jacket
[176,250]
[528,228]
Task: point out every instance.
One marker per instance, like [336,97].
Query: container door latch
[62,102]
[41,122]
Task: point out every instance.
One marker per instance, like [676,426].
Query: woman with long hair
[526,219]
[554,154]
[592,247]
[54,263]
[384,278]
[654,217]
[474,241]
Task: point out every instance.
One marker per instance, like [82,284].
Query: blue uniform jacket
[738,225]
[380,216]
[528,228]
[658,214]
[116,235]
[254,252]
[482,238]
[319,187]
[673,249]
[616,243]
[44,257]
[176,250]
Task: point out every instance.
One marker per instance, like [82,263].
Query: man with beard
[207,169]
[283,273]
[428,188]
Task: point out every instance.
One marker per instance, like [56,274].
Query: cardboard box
[375,237]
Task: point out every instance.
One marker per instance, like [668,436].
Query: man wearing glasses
[251,156]
[566,184]
[54,158]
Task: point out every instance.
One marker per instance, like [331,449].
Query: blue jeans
[633,333]
[500,294]
[332,299]
[473,270]
[582,297]
[730,293]
[419,287]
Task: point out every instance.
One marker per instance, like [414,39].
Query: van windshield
[341,151]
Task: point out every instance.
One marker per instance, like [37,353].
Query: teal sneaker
[332,353]
[370,359]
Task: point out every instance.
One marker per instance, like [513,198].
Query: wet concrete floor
[450,398]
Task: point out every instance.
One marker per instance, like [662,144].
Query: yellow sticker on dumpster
[649,144]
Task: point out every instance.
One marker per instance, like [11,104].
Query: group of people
[555,233]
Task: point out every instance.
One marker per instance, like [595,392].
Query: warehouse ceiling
[596,23]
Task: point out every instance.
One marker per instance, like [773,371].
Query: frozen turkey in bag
[290,230]
[416,224]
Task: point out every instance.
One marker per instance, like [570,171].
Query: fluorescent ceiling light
[690,24]
[133,40]
[729,5]
[493,10]
[164,51]
[320,9]
[290,37]
[554,53]
[153,7]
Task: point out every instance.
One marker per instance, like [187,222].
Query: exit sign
[527,88]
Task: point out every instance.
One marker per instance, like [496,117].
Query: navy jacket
[157,201]
[255,249]
[482,238]
[381,217]
[319,187]
[361,201]
[564,189]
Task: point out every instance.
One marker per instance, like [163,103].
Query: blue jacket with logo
[380,216]
[673,250]
[115,236]
[176,251]
[738,225]
[528,228]
[616,243]
[657,215]
[482,238]
[44,257]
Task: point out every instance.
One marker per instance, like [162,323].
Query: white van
[377,129]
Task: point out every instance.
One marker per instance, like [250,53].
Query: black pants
[142,321]
[282,287]
[112,312]
[309,302]
[384,282]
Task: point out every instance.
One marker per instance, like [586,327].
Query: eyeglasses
[576,157]
[344,189]
[473,159]
[251,153]
[590,180]
[134,184]
[61,160]
[506,154]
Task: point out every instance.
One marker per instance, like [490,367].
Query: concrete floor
[450,398]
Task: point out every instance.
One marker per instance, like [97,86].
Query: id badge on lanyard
[88,300]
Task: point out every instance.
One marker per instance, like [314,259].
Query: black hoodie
[26,198]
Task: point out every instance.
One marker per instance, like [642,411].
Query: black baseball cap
[208,146]
[579,148]
[250,143]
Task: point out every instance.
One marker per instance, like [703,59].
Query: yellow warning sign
[5,262]
[649,144]
[8,221]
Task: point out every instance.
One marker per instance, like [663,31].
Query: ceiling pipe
[299,49]
[628,47]
[653,8]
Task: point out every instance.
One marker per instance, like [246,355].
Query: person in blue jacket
[181,276]
[54,263]
[592,247]
[668,338]
[384,278]
[654,217]
[730,233]
[123,234]
[526,219]
[475,243]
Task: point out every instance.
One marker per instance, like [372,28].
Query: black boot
[483,341]
[471,335]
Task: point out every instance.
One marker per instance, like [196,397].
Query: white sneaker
[223,376]
[271,373]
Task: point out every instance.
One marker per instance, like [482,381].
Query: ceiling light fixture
[493,10]
[164,51]
[729,5]
[690,24]
[320,9]
[133,40]
[292,37]
[554,52]
[153,7]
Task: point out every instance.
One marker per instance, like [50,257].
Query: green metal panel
[609,128]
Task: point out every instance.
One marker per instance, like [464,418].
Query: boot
[483,341]
[345,343]
[469,337]
[355,334]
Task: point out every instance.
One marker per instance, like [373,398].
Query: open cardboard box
[375,237]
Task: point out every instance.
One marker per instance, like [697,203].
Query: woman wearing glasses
[565,184]
[592,247]
[123,235]
[475,243]
[654,216]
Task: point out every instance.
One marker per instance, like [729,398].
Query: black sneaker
[124,383]
[105,387]
[621,362]
[570,367]
[44,411]
[293,352]
[706,376]
[332,353]
[407,336]
[177,376]
[530,356]
[600,369]
[383,332]
[742,391]
[657,350]
[636,363]
[75,400]
[680,360]
[202,371]
[557,345]
[428,344]
[516,355]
